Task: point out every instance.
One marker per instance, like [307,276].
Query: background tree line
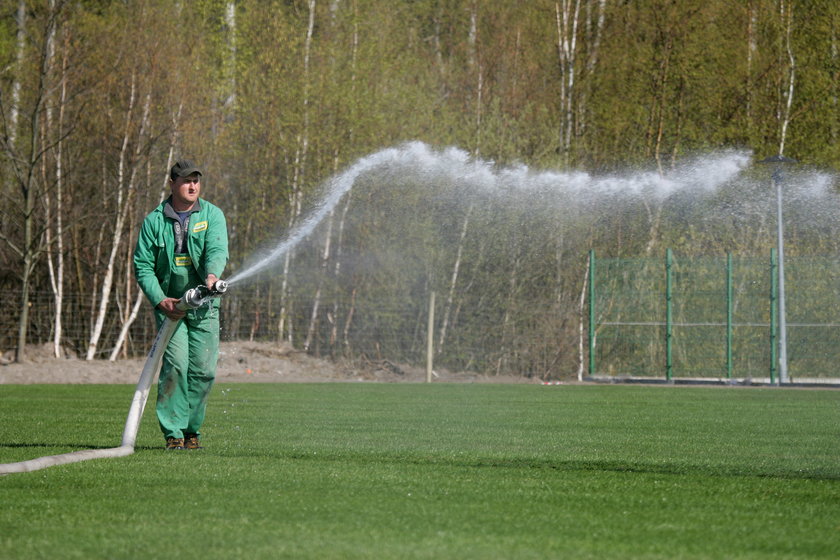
[273,97]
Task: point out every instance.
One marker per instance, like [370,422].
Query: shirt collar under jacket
[170,212]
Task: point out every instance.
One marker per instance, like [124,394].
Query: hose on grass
[192,299]
[132,423]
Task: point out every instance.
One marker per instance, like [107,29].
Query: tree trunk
[284,324]
[348,196]
[122,208]
[20,49]
[582,319]
[25,173]
[513,281]
[121,338]
[786,12]
[337,269]
[835,77]
[454,280]
[654,214]
[475,66]
[567,16]
[752,47]
[325,260]
[349,321]
[658,103]
[11,133]
[591,65]
[56,269]
[230,71]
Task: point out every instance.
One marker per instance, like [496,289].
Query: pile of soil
[239,362]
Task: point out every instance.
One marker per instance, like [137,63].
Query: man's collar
[170,212]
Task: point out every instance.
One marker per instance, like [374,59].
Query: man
[183,243]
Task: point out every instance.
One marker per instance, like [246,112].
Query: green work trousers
[188,372]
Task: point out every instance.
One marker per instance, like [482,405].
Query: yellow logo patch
[200,226]
[183,260]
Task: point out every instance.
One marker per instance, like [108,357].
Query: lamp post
[776,180]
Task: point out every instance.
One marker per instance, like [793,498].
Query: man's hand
[210,281]
[169,309]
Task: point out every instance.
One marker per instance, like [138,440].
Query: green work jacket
[154,257]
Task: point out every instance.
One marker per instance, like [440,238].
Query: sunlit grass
[431,471]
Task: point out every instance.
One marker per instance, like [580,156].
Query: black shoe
[174,443]
[191,441]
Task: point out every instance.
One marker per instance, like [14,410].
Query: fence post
[430,336]
[729,315]
[668,323]
[591,312]
[774,288]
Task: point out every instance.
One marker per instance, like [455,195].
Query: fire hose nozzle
[198,296]
[220,287]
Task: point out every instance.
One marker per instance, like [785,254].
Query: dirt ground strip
[239,362]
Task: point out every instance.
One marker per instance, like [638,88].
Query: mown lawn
[431,471]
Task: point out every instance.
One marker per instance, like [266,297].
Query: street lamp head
[778,159]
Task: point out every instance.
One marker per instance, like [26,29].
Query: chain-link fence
[675,317]
[519,338]
[713,317]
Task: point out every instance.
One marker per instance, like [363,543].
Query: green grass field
[431,471]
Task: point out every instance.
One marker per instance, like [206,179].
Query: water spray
[421,164]
[336,189]
[192,299]
[419,161]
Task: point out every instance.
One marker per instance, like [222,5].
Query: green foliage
[273,109]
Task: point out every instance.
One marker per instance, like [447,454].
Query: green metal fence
[712,317]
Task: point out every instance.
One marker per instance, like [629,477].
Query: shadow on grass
[595,465]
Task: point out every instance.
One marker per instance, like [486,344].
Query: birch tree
[299,175]
[126,171]
[594,37]
[316,300]
[138,300]
[453,280]
[786,16]
[20,50]
[567,15]
[752,47]
[25,161]
[352,116]
[56,239]
[230,60]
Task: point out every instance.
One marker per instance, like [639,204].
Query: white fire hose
[192,299]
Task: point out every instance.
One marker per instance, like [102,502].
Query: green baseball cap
[183,168]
